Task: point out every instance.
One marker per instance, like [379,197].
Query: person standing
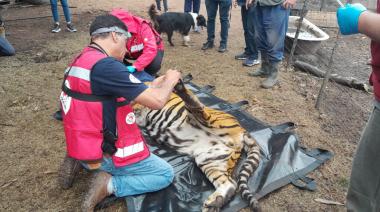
[224,11]
[165,2]
[192,6]
[271,23]
[99,122]
[364,188]
[66,11]
[250,54]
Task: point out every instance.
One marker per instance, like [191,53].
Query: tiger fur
[213,138]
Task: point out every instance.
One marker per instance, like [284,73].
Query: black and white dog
[176,21]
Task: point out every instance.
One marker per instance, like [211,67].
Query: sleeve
[150,48]
[111,77]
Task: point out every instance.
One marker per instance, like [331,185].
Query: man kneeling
[99,121]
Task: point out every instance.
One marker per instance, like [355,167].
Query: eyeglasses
[112,29]
[126,37]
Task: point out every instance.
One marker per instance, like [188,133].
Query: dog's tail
[153,14]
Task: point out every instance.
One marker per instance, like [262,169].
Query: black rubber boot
[263,71]
[272,77]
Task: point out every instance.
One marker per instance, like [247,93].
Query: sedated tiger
[213,138]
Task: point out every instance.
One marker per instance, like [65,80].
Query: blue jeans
[65,7]
[195,4]
[224,9]
[6,49]
[158,3]
[148,175]
[247,17]
[271,23]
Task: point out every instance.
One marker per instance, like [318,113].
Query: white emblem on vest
[133,79]
[130,118]
[137,48]
[65,99]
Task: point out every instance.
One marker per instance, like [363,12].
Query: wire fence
[315,46]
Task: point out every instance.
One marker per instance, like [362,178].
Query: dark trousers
[224,9]
[247,17]
[364,190]
[158,3]
[195,4]
[271,23]
[154,67]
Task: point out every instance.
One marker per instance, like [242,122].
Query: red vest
[83,120]
[375,76]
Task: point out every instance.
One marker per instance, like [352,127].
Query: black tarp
[283,161]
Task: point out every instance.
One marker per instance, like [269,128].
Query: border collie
[176,21]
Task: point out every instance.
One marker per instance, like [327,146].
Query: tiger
[213,138]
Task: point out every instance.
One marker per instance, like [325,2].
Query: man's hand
[348,18]
[131,69]
[157,96]
[289,4]
[249,3]
[172,76]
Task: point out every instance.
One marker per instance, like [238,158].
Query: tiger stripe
[212,137]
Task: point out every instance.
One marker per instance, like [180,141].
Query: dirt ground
[32,142]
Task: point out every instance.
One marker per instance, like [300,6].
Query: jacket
[145,40]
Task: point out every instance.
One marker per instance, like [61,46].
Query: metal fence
[315,46]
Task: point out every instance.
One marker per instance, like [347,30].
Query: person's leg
[158,3]
[243,55]
[196,6]
[211,8]
[224,11]
[148,175]
[187,6]
[275,22]
[260,39]
[66,11]
[245,30]
[6,49]
[364,189]
[259,34]
[250,35]
[54,10]
[165,5]
[155,65]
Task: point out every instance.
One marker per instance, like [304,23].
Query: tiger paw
[254,204]
[213,204]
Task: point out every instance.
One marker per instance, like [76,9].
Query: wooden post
[323,2]
[290,59]
[327,75]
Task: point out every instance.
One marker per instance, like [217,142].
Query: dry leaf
[8,183]
[328,202]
